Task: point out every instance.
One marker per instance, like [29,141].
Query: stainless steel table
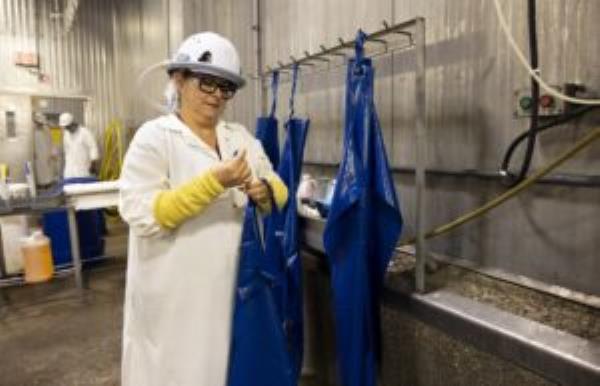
[76,197]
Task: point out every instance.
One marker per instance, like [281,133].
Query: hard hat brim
[209,69]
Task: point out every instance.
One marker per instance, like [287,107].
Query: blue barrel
[90,225]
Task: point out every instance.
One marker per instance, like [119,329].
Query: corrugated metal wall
[548,233]
[147,32]
[76,62]
[232,19]
[142,40]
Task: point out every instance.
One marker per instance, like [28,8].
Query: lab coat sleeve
[143,178]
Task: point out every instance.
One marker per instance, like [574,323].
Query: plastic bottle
[307,187]
[330,192]
[4,192]
[30,178]
[37,257]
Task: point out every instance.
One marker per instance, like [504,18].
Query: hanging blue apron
[363,227]
[267,127]
[267,134]
[259,353]
[290,170]
[281,235]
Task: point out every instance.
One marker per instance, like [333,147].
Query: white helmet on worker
[65,119]
[209,53]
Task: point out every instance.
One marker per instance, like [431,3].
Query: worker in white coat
[80,148]
[81,160]
[185,181]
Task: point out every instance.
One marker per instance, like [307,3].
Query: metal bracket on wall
[414,29]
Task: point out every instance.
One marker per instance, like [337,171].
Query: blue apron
[281,235]
[267,127]
[363,227]
[289,171]
[259,354]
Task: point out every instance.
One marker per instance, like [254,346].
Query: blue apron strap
[359,45]
[295,70]
[274,88]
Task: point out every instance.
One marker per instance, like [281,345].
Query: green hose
[580,145]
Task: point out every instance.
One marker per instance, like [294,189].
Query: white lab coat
[180,283]
[80,150]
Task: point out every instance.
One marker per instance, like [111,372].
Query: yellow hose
[581,144]
[113,152]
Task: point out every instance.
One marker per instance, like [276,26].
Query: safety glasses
[209,84]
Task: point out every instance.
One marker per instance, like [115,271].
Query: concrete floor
[50,336]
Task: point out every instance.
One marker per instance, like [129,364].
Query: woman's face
[205,106]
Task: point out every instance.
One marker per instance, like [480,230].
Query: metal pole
[260,90]
[75,253]
[421,153]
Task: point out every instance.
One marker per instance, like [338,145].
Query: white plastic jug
[307,187]
[12,230]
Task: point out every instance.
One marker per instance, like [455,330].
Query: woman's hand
[233,172]
[259,192]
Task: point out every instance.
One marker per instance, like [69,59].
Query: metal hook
[264,74]
[405,33]
[324,49]
[380,41]
[315,58]
[300,62]
[345,45]
[282,66]
[341,54]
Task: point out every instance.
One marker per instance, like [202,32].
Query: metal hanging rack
[414,32]
[408,29]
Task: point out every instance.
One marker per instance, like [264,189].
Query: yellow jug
[37,257]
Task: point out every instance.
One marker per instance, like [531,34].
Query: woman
[184,184]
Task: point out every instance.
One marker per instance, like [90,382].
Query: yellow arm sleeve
[280,193]
[172,207]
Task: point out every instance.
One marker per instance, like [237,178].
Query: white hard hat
[65,119]
[209,53]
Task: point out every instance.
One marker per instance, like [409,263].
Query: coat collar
[224,137]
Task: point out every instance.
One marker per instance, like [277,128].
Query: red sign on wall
[26,59]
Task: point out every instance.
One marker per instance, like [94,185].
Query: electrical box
[548,105]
